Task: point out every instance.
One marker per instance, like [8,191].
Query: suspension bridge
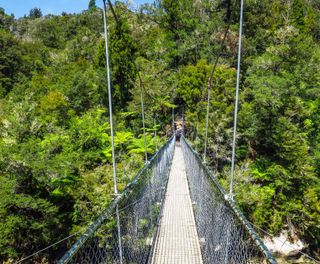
[174,211]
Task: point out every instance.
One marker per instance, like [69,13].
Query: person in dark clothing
[178,134]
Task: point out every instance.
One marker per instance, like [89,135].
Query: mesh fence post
[111,123]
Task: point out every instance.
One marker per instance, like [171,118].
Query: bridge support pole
[173,130]
[111,127]
[236,103]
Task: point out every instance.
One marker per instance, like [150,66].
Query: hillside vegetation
[55,148]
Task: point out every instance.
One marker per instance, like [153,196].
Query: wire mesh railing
[224,233]
[139,208]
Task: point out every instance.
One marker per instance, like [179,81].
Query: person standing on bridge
[179,133]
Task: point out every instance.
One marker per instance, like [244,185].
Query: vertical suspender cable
[207,125]
[183,118]
[173,130]
[111,126]
[155,131]
[140,85]
[236,103]
[110,101]
[143,118]
[145,145]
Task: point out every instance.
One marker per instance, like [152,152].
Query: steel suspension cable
[143,118]
[236,103]
[140,82]
[173,128]
[46,248]
[155,131]
[111,125]
[145,139]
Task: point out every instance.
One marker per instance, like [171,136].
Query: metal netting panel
[138,208]
[224,233]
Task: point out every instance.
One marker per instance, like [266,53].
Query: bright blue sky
[22,7]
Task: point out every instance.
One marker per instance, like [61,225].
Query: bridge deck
[177,241]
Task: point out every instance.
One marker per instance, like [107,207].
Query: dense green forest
[55,148]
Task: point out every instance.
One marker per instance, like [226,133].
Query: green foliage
[138,146]
[23,214]
[55,147]
[176,17]
[92,5]
[49,33]
[5,20]
[35,13]
[192,84]
[275,126]
[53,107]
[123,70]
[10,61]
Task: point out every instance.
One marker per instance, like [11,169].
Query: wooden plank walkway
[177,240]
